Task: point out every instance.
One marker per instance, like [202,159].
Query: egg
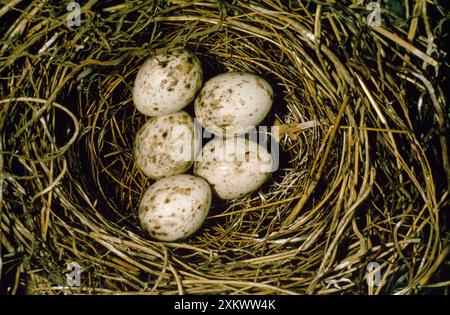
[233,166]
[233,103]
[166,145]
[167,82]
[175,207]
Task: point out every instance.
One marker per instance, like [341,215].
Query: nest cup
[354,206]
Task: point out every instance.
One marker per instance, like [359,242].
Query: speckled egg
[166,83]
[166,145]
[175,207]
[234,166]
[233,103]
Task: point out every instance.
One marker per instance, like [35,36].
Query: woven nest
[361,184]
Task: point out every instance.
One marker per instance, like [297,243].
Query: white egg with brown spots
[167,82]
[234,167]
[166,145]
[175,207]
[233,103]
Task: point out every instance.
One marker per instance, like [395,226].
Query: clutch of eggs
[233,103]
[234,166]
[175,207]
[230,104]
[167,82]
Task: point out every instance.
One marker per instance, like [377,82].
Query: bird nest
[355,206]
